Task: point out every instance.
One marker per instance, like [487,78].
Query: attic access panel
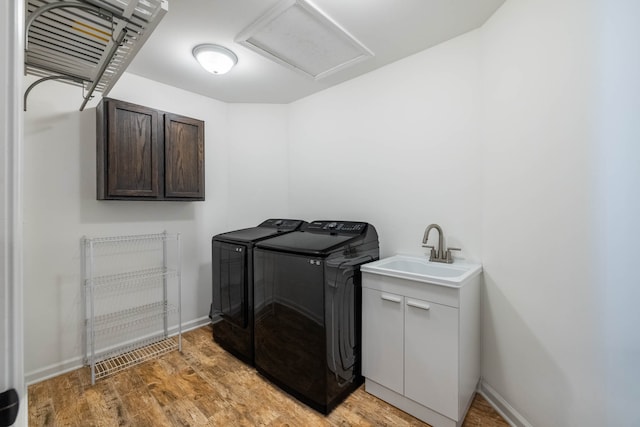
[299,36]
[88,43]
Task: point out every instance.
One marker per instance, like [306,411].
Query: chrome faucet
[439,255]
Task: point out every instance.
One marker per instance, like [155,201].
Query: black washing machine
[308,309]
[232,280]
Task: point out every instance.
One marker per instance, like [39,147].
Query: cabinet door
[431,356]
[130,151]
[382,338]
[183,157]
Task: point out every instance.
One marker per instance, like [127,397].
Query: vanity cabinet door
[383,338]
[431,355]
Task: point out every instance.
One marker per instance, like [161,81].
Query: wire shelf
[131,357]
[133,238]
[130,305]
[87,42]
[132,277]
[133,318]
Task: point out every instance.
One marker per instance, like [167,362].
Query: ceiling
[391,29]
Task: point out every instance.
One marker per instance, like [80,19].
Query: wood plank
[143,408]
[159,383]
[127,381]
[41,410]
[104,407]
[205,386]
[482,414]
[65,392]
[183,412]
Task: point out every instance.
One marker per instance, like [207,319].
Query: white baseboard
[503,407]
[77,362]
[192,324]
[53,370]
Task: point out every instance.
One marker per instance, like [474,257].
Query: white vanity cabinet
[383,339]
[420,345]
[431,342]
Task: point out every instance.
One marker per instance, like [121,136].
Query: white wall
[494,135]
[60,203]
[258,155]
[542,311]
[619,197]
[561,137]
[397,148]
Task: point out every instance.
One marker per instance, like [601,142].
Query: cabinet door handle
[420,305]
[391,298]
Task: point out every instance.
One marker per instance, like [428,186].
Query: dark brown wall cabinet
[147,154]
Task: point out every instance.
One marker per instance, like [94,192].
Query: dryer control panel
[336,227]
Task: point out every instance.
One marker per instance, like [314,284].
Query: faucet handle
[449,257]
[432,255]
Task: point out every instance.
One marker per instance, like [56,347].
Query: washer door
[289,323]
[230,288]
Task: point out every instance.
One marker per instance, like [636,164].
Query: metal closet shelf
[87,43]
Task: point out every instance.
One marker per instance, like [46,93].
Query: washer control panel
[336,227]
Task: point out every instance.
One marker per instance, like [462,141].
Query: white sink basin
[422,270]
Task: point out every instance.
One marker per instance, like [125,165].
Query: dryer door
[230,290]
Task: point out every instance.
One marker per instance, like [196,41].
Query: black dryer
[232,282]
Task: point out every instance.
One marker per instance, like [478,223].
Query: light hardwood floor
[204,386]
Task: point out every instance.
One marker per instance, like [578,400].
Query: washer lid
[306,243]
[253,234]
[269,228]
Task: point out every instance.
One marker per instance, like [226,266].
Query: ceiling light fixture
[215,59]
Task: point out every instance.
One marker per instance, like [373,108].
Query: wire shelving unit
[132,288]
